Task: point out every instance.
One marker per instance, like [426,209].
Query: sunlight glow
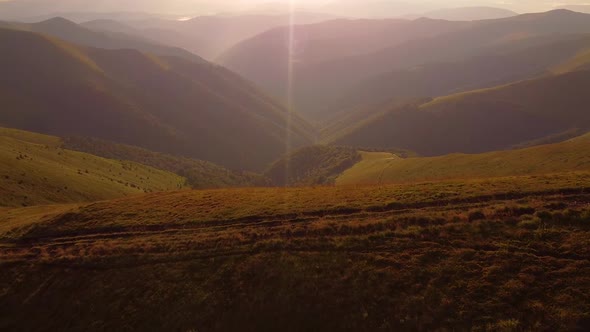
[290,80]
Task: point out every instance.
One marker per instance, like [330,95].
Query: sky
[188,7]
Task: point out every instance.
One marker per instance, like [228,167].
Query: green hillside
[570,156]
[35,170]
[164,104]
[199,174]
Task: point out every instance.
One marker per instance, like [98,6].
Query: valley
[347,166]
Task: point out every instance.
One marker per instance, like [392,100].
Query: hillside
[569,156]
[404,257]
[35,170]
[121,39]
[482,120]
[211,35]
[318,83]
[164,104]
[265,57]
[482,71]
[199,174]
[313,165]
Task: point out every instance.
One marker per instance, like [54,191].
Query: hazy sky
[212,6]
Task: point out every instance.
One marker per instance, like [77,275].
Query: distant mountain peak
[58,20]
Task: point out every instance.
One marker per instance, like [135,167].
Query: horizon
[20,9]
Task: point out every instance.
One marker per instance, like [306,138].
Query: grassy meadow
[504,254]
[378,168]
[35,170]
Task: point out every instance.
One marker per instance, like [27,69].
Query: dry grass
[502,254]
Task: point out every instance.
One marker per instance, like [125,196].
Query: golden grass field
[503,254]
[379,168]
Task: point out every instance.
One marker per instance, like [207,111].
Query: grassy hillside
[35,170]
[572,155]
[199,174]
[314,165]
[164,104]
[415,257]
[482,120]
[78,34]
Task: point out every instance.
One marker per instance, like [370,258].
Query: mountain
[469,13]
[77,34]
[569,156]
[210,36]
[265,59]
[375,8]
[165,104]
[578,8]
[106,25]
[482,120]
[36,170]
[442,78]
[316,84]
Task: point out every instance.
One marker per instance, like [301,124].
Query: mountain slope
[210,36]
[483,71]
[199,174]
[35,170]
[265,58]
[77,34]
[319,83]
[165,104]
[480,121]
[569,156]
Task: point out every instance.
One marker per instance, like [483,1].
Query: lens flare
[290,82]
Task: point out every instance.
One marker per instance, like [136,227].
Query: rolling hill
[482,71]
[165,104]
[569,156]
[398,257]
[480,121]
[319,83]
[36,170]
[77,34]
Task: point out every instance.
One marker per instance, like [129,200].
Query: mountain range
[78,34]
[482,120]
[316,84]
[167,104]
